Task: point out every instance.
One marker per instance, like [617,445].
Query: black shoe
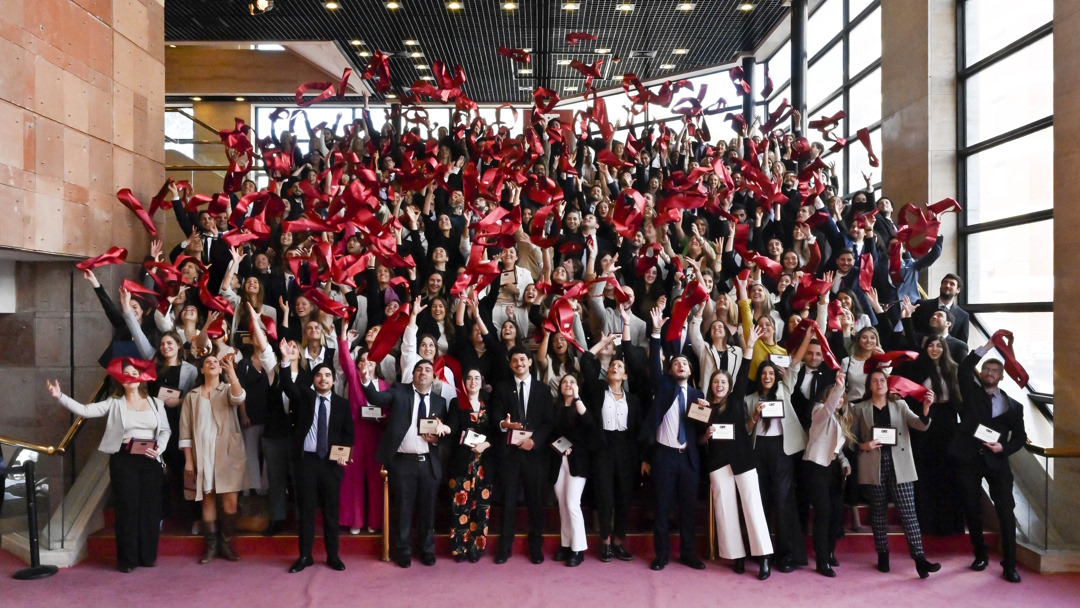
[126,569]
[428,559]
[536,557]
[460,557]
[979,564]
[562,554]
[274,528]
[786,565]
[824,569]
[739,566]
[693,562]
[500,558]
[883,562]
[475,557]
[1011,575]
[300,564]
[575,559]
[335,563]
[605,553]
[924,567]
[833,561]
[621,553]
[764,571]
[404,561]
[659,563]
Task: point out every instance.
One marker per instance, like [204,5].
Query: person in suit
[321,421]
[826,467]
[940,324]
[523,403]
[984,403]
[889,471]
[674,462]
[411,458]
[951,286]
[574,421]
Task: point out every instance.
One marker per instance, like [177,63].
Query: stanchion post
[36,570]
[385,515]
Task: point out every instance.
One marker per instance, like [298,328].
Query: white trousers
[722,483]
[568,491]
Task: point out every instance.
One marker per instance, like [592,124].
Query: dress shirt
[311,441]
[668,431]
[808,383]
[525,387]
[411,443]
[614,412]
[314,361]
[998,404]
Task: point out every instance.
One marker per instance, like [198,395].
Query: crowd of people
[565,312]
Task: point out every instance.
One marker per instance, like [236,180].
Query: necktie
[814,384]
[521,399]
[682,415]
[423,405]
[322,447]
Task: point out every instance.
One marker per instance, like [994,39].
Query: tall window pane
[1012,92]
[825,76]
[1011,264]
[865,102]
[864,43]
[780,65]
[824,25]
[855,7]
[1011,179]
[179,127]
[859,162]
[1034,346]
[990,25]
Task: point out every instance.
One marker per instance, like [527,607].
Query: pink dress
[361,493]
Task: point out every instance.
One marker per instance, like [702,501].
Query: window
[825,76]
[1006,137]
[864,44]
[864,101]
[824,24]
[178,129]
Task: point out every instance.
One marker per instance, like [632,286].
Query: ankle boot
[739,565]
[883,561]
[764,571]
[210,534]
[228,529]
[924,567]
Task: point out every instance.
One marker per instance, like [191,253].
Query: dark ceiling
[714,32]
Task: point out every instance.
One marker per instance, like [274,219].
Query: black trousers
[413,487]
[674,478]
[613,482]
[523,471]
[318,483]
[825,492]
[1001,494]
[776,475]
[137,499]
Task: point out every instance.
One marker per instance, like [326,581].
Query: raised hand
[53,386]
[658,319]
[90,276]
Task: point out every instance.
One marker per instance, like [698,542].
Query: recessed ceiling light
[331,5]
[603,51]
[454,6]
[624,7]
[391,96]
[509,6]
[391,5]
[266,47]
[172,46]
[421,66]
[525,88]
[668,66]
[524,71]
[196,99]
[569,89]
[684,6]
[357,42]
[416,54]
[681,51]
[427,78]
[411,42]
[527,50]
[571,6]
[239,99]
[564,62]
[258,7]
[746,7]
[365,53]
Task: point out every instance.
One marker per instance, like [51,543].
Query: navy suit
[675,472]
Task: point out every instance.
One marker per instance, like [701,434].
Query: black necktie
[322,442]
[682,415]
[521,399]
[423,405]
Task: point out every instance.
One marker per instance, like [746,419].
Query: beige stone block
[50,287]
[11,133]
[49,142]
[48,89]
[76,103]
[942,124]
[17,76]
[49,229]
[125,55]
[17,231]
[76,157]
[123,168]
[100,165]
[130,21]
[123,126]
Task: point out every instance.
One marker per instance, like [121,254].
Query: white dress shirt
[614,412]
[668,432]
[311,441]
[412,443]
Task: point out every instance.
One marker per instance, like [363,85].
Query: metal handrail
[67,439]
[192,119]
[1052,452]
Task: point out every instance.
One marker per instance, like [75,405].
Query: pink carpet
[263,581]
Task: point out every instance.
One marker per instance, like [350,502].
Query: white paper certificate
[780,360]
[427,426]
[987,434]
[885,435]
[516,437]
[370,411]
[699,412]
[561,445]
[772,409]
[471,438]
[723,432]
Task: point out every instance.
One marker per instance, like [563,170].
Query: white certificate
[699,412]
[885,435]
[561,445]
[516,437]
[427,426]
[780,360]
[723,432]
[471,438]
[370,411]
[987,434]
[772,409]
[166,392]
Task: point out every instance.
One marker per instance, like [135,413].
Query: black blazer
[459,421]
[739,452]
[664,398]
[976,409]
[399,399]
[540,419]
[594,392]
[926,309]
[578,428]
[302,416]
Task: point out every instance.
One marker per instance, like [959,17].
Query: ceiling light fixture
[454,6]
[357,42]
[196,99]
[416,54]
[331,5]
[746,7]
[527,50]
[509,6]
[685,6]
[524,71]
[668,66]
[564,62]
[569,89]
[571,6]
[603,51]
[239,99]
[365,53]
[411,42]
[391,5]
[525,88]
[258,7]
[429,78]
[681,51]
[172,46]
[422,67]
[624,7]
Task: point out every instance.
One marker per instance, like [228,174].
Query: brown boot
[209,530]
[228,529]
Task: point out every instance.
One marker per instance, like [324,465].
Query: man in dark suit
[411,458]
[522,403]
[667,434]
[987,405]
[321,421]
[951,286]
[941,321]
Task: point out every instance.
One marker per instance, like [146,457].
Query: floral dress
[470,483]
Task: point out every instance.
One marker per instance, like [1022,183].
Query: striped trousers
[903,496]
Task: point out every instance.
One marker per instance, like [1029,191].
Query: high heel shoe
[739,566]
[883,561]
[924,567]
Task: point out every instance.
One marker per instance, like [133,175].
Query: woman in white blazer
[830,430]
[888,471]
[136,431]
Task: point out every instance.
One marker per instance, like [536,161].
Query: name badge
[986,434]
[772,409]
[722,432]
[885,435]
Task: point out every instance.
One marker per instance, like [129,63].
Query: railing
[1035,521]
[48,487]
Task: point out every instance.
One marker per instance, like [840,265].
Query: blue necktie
[682,415]
[423,406]
[322,447]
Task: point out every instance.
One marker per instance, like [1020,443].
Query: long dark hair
[944,373]
[771,394]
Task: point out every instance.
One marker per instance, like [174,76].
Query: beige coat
[901,418]
[217,444]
